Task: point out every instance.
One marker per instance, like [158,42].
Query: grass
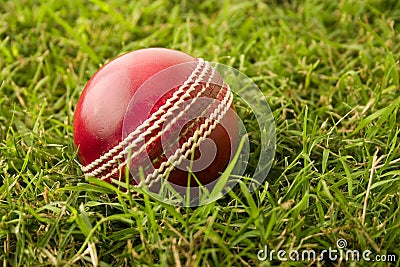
[329,70]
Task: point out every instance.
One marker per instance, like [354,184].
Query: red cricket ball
[162,112]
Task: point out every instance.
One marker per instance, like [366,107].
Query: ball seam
[146,123]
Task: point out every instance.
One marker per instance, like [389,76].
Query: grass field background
[329,70]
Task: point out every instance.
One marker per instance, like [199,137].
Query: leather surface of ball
[156,104]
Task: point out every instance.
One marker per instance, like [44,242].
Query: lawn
[330,73]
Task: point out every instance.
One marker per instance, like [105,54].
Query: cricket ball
[159,113]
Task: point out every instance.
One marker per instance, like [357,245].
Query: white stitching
[223,104]
[228,97]
[147,122]
[143,147]
[188,143]
[156,124]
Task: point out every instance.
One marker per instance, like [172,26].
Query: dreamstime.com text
[340,253]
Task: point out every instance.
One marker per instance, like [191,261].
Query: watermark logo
[338,253]
[341,243]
